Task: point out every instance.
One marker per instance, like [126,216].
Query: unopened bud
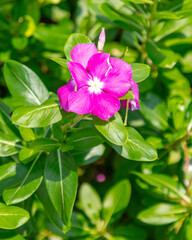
[101,41]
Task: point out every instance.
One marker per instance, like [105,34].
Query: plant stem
[126,113]
[72,123]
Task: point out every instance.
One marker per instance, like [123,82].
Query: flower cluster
[97,82]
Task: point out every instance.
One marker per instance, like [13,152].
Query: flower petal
[98,65]
[133,103]
[105,105]
[81,101]
[79,74]
[122,66]
[63,93]
[81,53]
[117,82]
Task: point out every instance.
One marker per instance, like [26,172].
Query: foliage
[77,176]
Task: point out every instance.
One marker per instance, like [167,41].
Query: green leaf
[45,144]
[139,1]
[23,82]
[177,107]
[12,217]
[10,235]
[85,138]
[26,155]
[155,111]
[61,181]
[8,145]
[57,132]
[61,61]
[140,71]
[136,148]
[130,232]
[162,214]
[10,175]
[163,57]
[163,181]
[50,211]
[31,180]
[73,40]
[59,34]
[128,95]
[37,116]
[83,158]
[118,19]
[113,129]
[90,202]
[116,201]
[6,124]
[27,134]
[169,27]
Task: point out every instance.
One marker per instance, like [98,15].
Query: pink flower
[100,79]
[133,103]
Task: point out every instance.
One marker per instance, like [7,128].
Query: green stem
[72,123]
[126,113]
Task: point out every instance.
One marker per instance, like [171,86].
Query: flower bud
[101,41]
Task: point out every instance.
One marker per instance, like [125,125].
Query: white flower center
[95,85]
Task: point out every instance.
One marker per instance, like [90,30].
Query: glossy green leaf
[61,181]
[31,180]
[136,148]
[139,1]
[85,138]
[45,144]
[130,232]
[8,145]
[90,202]
[162,214]
[163,181]
[169,27]
[115,201]
[61,61]
[26,155]
[59,34]
[37,116]
[23,82]
[128,95]
[10,235]
[113,129]
[27,134]
[86,157]
[6,124]
[140,71]
[73,40]
[163,57]
[118,19]
[57,132]
[177,107]
[155,111]
[12,217]
[43,196]
[10,175]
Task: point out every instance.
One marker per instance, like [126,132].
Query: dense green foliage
[77,176]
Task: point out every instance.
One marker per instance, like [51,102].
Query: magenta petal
[79,74]
[81,101]
[98,65]
[63,93]
[81,53]
[105,105]
[117,82]
[122,66]
[133,103]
